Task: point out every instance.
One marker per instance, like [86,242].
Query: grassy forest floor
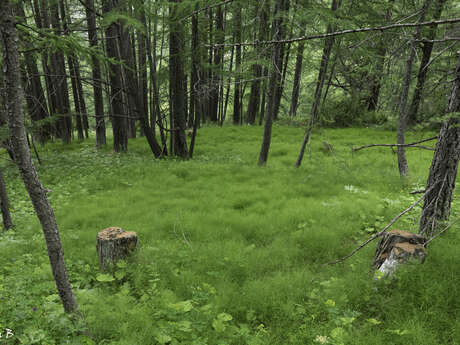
[230,253]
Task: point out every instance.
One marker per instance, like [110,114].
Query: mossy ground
[230,253]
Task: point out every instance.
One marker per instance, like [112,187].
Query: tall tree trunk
[376,77]
[443,170]
[142,51]
[237,87]
[64,124]
[402,119]
[328,44]
[177,81]
[96,72]
[254,96]
[217,65]
[119,122]
[15,100]
[274,80]
[35,96]
[427,48]
[297,75]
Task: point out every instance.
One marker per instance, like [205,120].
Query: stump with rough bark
[114,244]
[396,247]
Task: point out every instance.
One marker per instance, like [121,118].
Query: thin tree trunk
[274,80]
[376,78]
[5,205]
[177,82]
[443,170]
[119,125]
[427,48]
[15,100]
[96,72]
[402,119]
[237,87]
[297,75]
[328,44]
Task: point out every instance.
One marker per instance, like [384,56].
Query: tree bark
[177,83]
[427,48]
[96,73]
[119,123]
[328,44]
[273,83]
[15,100]
[237,88]
[5,205]
[297,75]
[444,166]
[402,119]
[254,96]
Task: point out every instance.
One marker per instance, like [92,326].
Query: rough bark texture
[396,247]
[443,170]
[5,205]
[15,100]
[114,244]
[96,71]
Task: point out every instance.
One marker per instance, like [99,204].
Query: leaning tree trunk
[14,104]
[328,44]
[443,171]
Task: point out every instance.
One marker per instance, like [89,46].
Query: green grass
[230,253]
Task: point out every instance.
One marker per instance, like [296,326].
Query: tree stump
[114,244]
[396,247]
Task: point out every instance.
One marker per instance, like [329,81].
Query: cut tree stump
[396,247]
[114,244]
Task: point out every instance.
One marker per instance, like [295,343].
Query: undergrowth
[229,253]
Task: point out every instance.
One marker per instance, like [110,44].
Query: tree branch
[354,149]
[382,231]
[343,32]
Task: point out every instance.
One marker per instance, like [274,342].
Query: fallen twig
[380,232]
[354,149]
[418,191]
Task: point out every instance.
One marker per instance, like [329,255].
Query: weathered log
[396,247]
[114,244]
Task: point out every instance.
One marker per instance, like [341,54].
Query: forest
[229,172]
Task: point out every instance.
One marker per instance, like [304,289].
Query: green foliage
[229,253]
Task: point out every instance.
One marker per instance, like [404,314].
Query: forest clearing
[229,172]
[222,241]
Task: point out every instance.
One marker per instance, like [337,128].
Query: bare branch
[343,32]
[382,231]
[354,149]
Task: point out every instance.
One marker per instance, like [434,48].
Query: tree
[177,83]
[14,106]
[328,44]
[443,171]
[119,123]
[96,72]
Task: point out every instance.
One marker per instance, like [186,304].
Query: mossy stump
[396,247]
[114,244]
